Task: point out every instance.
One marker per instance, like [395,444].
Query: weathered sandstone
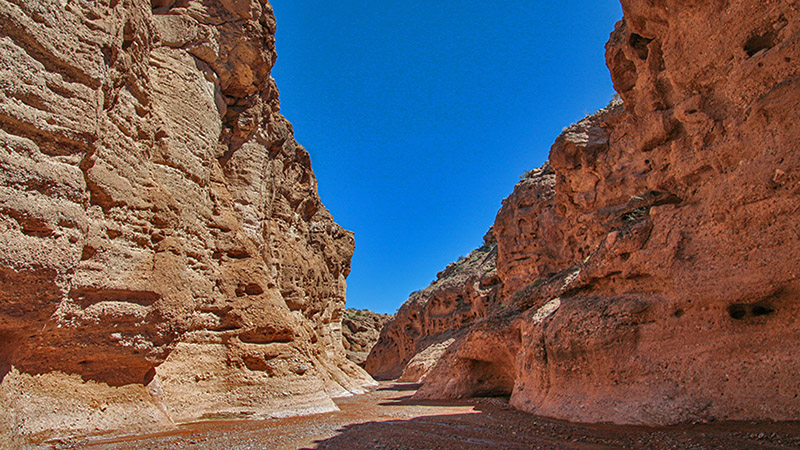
[424,326]
[651,267]
[360,331]
[164,255]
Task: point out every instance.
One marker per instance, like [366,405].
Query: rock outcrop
[164,255]
[360,331]
[414,339]
[651,267]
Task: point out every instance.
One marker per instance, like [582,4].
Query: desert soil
[388,418]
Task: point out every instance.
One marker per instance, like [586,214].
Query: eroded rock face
[163,249]
[360,331]
[652,265]
[424,326]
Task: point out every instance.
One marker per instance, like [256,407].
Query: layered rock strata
[361,329]
[651,267]
[164,255]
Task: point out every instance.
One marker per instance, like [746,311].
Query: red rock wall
[653,264]
[463,293]
[163,249]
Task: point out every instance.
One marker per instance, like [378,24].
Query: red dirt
[388,418]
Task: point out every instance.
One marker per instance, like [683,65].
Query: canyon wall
[650,268]
[425,325]
[361,329]
[164,255]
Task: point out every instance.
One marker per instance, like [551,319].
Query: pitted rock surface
[164,255]
[650,268]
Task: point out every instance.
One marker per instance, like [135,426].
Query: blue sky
[420,117]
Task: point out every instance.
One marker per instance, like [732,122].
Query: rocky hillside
[424,326]
[360,331]
[650,269]
[164,255]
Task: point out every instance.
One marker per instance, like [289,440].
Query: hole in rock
[679,313]
[490,379]
[738,312]
[760,42]
[253,289]
[761,310]
[89,296]
[639,44]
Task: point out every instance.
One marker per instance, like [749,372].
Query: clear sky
[421,115]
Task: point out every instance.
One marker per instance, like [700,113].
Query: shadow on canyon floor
[493,425]
[390,418]
[400,387]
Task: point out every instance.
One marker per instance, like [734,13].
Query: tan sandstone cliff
[164,255]
[651,267]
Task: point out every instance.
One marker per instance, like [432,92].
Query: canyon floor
[388,418]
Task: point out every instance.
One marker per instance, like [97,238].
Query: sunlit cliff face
[165,252]
[649,269]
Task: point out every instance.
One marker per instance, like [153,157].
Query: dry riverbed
[388,418]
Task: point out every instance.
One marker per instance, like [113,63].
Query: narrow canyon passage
[388,418]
